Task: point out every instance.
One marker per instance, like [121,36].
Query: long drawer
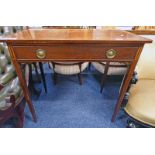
[74,52]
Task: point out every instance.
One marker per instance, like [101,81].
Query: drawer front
[64,52]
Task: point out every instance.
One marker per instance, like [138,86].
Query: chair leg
[80,78]
[55,77]
[89,66]
[102,82]
[43,76]
[49,66]
[20,114]
[104,76]
[79,75]
[31,82]
[37,73]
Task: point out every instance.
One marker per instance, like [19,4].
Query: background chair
[11,96]
[109,68]
[68,68]
[141,102]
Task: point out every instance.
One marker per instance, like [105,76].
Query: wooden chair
[11,96]
[68,68]
[141,102]
[109,68]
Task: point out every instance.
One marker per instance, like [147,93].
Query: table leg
[125,77]
[25,90]
[125,84]
[23,84]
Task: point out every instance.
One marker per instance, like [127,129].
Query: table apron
[73,53]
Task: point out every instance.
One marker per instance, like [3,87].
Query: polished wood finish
[80,52]
[22,83]
[45,36]
[126,82]
[75,45]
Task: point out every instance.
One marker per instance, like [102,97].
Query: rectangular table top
[73,36]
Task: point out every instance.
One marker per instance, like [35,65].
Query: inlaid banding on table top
[73,36]
[74,52]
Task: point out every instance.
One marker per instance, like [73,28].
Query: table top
[73,36]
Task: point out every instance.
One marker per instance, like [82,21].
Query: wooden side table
[44,45]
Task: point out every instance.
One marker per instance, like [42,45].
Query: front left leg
[22,83]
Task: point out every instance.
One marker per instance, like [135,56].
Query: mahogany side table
[44,45]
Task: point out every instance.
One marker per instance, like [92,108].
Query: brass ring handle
[41,54]
[110,54]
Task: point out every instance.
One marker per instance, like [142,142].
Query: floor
[70,105]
